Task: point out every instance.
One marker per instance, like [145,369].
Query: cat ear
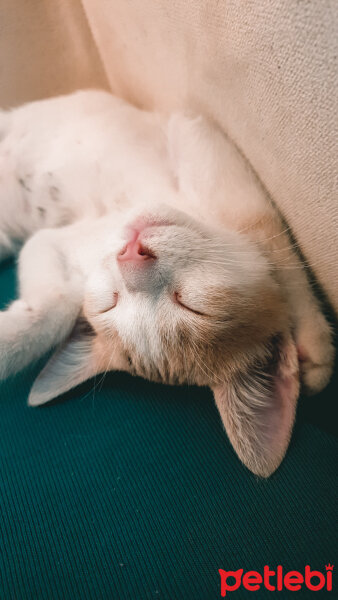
[78,359]
[258,409]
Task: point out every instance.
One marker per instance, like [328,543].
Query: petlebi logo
[276,580]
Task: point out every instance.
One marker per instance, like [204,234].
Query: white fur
[74,171]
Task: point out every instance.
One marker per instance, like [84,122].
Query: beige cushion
[265,70]
[46,49]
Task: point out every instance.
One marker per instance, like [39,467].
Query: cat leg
[312,332]
[49,304]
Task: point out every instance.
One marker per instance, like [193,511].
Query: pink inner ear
[280,415]
[286,394]
[258,410]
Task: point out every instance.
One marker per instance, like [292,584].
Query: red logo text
[276,580]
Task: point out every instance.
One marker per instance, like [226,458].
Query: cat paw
[4,366]
[12,327]
[315,352]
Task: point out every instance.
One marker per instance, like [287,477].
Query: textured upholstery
[131,490]
[46,49]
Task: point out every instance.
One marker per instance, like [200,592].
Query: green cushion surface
[126,489]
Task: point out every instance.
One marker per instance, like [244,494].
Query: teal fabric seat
[124,489]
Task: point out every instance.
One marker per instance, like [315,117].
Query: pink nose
[134,251]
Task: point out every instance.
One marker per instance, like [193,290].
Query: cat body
[149,246]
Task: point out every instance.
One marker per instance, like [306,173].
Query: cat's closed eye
[183,303]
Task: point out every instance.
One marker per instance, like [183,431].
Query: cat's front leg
[314,338]
[312,332]
[49,304]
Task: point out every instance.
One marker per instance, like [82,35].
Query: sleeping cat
[150,247]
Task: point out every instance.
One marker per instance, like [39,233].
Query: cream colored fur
[225,302]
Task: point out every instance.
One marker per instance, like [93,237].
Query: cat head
[178,302]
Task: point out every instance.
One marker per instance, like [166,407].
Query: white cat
[153,249]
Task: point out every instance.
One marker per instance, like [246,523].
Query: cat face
[177,302]
[187,303]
